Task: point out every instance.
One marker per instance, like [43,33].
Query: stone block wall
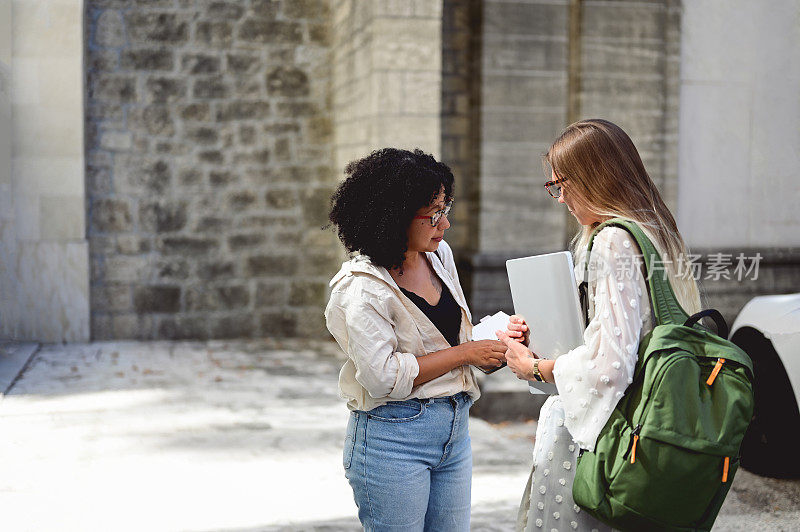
[738,150]
[523,107]
[44,259]
[215,131]
[350,87]
[461,44]
[629,74]
[522,94]
[209,167]
[386,76]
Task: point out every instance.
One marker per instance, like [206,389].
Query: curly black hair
[375,204]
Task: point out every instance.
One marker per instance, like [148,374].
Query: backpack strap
[665,306]
[714,314]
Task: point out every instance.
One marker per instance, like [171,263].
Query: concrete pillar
[739,138]
[739,161]
[387,59]
[624,68]
[44,270]
[522,106]
[629,74]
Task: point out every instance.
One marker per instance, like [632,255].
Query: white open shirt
[382,332]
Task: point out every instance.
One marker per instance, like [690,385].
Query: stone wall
[739,138]
[523,106]
[217,129]
[44,259]
[216,132]
[386,76]
[627,72]
[350,88]
[461,47]
[738,151]
[209,167]
[630,62]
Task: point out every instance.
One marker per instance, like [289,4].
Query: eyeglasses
[435,217]
[554,187]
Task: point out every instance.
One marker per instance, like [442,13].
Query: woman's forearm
[437,364]
[546,369]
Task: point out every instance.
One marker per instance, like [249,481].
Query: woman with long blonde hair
[596,171]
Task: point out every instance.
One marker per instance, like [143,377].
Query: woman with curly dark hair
[399,313]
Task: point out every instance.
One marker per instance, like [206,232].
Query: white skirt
[547,503]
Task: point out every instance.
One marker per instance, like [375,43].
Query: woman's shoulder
[359,284]
[614,251]
[613,240]
[358,296]
[356,285]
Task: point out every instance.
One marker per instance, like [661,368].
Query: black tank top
[446,315]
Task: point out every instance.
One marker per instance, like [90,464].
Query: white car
[768,330]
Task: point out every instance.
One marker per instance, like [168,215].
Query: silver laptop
[544,292]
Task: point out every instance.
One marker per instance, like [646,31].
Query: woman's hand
[518,357]
[488,354]
[483,353]
[520,360]
[518,330]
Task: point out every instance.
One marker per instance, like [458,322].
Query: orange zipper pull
[715,371]
[725,469]
[632,443]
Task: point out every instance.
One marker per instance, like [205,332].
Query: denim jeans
[410,464]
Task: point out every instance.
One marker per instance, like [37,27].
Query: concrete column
[629,75]
[739,139]
[387,59]
[523,105]
[739,161]
[44,275]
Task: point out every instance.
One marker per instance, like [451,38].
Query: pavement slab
[14,356]
[232,436]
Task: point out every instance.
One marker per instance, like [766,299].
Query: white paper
[486,328]
[499,321]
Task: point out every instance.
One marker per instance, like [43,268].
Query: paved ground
[231,436]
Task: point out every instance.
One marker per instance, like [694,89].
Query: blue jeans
[410,464]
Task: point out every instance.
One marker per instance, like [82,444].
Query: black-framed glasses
[554,187]
[437,216]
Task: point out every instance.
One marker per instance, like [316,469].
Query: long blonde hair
[606,176]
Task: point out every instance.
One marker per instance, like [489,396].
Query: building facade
[167,164]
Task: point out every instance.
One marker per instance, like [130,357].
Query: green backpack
[668,454]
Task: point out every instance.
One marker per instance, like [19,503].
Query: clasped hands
[518,357]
